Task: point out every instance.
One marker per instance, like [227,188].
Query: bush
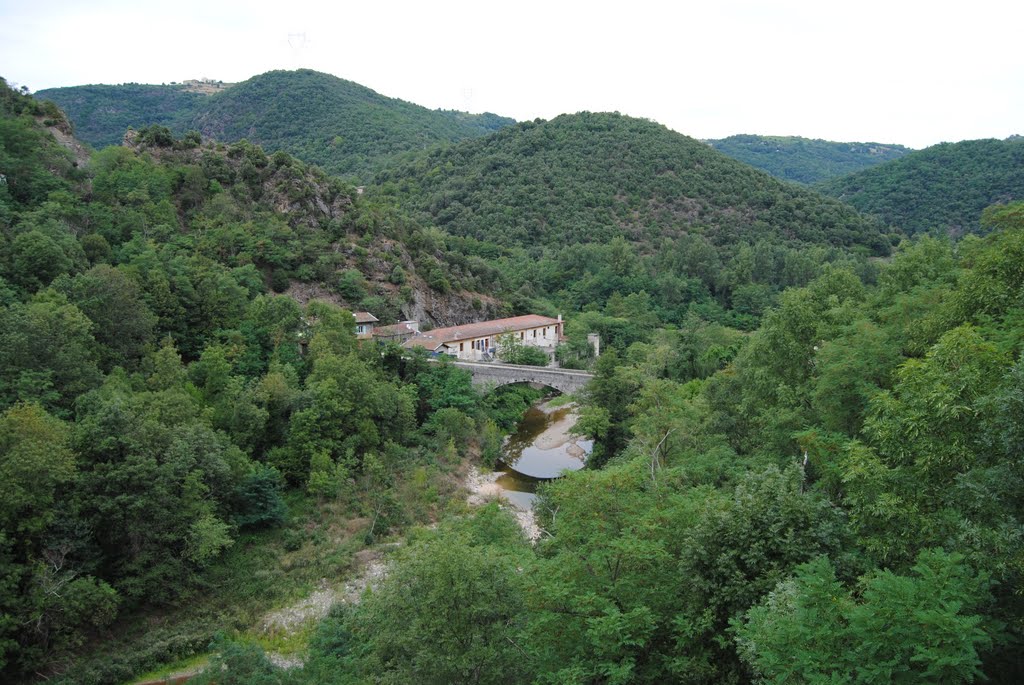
[450,424]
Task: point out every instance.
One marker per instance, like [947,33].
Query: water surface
[540,449]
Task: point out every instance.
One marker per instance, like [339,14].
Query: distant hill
[101,114]
[337,124]
[342,126]
[806,160]
[589,177]
[942,188]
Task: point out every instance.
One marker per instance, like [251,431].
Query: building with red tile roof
[474,341]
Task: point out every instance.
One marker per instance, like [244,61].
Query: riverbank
[542,447]
[483,488]
[559,432]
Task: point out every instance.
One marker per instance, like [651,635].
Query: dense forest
[585,210]
[807,463]
[339,125]
[101,114]
[842,503]
[152,384]
[941,189]
[805,160]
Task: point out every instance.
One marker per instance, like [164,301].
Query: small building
[364,325]
[396,333]
[480,341]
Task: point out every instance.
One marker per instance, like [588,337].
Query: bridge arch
[496,375]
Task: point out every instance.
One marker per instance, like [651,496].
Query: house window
[522,335]
[535,332]
[462,346]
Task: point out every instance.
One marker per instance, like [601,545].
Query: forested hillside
[157,398]
[842,503]
[585,206]
[807,461]
[941,189]
[806,160]
[101,113]
[339,125]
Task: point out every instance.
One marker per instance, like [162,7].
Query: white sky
[892,71]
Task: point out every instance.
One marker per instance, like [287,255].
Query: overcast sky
[915,73]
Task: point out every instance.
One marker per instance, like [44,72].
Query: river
[540,449]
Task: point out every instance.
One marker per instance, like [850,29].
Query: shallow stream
[540,449]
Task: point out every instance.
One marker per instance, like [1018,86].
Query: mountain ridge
[805,160]
[344,127]
[627,173]
[942,188]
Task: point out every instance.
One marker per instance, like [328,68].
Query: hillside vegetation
[101,113]
[834,494]
[840,504]
[590,177]
[339,125]
[575,209]
[806,160]
[158,395]
[941,189]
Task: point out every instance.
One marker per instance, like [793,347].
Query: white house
[364,324]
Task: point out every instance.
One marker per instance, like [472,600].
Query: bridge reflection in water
[541,448]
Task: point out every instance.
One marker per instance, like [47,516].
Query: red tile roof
[439,336]
[364,317]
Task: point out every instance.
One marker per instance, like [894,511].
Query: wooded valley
[807,411]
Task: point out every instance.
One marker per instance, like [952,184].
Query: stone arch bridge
[494,375]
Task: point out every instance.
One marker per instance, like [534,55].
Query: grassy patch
[560,400]
[195,663]
[286,643]
[262,571]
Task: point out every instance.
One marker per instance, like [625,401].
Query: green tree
[238,663]
[730,562]
[47,353]
[435,618]
[36,259]
[605,410]
[930,419]
[850,370]
[123,324]
[35,463]
[512,351]
[903,629]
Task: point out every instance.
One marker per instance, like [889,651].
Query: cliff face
[450,309]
